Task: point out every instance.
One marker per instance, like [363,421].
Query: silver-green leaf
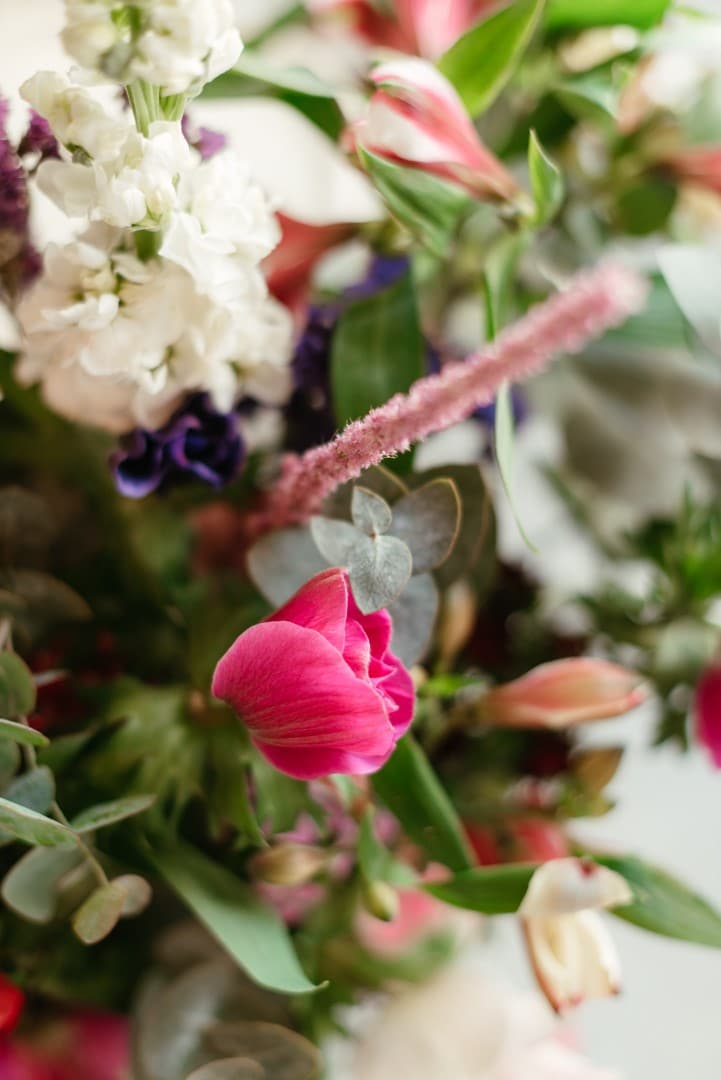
[371,513]
[428,520]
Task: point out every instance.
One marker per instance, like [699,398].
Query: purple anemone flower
[19,261]
[208,143]
[197,443]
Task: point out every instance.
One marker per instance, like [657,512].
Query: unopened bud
[381,900]
[288,864]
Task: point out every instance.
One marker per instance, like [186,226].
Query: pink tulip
[415,118]
[564,693]
[708,712]
[317,684]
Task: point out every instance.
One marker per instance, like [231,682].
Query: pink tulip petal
[357,650]
[294,690]
[322,605]
[309,764]
[399,686]
[378,626]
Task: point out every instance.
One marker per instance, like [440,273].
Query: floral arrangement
[286,719]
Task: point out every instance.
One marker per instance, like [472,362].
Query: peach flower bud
[564,693]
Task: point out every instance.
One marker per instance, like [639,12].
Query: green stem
[147,243]
[87,851]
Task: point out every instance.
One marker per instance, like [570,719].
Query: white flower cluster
[117,340]
[178,45]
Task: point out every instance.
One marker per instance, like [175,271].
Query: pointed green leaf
[505,440]
[248,928]
[546,182]
[17,689]
[98,817]
[482,61]
[21,733]
[410,788]
[378,350]
[579,14]
[428,208]
[491,890]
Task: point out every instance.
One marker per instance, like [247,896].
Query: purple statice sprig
[19,261]
[197,443]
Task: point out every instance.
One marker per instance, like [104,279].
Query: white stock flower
[79,119]
[117,342]
[224,229]
[178,45]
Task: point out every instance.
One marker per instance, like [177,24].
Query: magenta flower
[317,684]
[415,118]
[708,712]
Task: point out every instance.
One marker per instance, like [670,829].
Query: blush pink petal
[708,713]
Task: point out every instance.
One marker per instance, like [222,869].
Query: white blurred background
[667,1024]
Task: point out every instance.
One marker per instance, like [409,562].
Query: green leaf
[379,570]
[428,520]
[414,615]
[30,888]
[664,905]
[593,97]
[100,913]
[482,61]
[282,1054]
[378,350]
[546,182]
[505,439]
[283,560]
[296,86]
[430,209]
[336,540]
[410,788]
[645,208]
[492,890]
[579,14]
[371,513]
[98,817]
[21,733]
[248,928]
[9,761]
[32,828]
[375,860]
[35,789]
[475,546]
[17,689]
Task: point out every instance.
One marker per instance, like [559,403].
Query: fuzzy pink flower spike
[594,302]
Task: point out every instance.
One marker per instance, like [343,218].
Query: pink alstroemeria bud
[416,118]
[317,684]
[708,712]
[572,953]
[564,693]
[432,26]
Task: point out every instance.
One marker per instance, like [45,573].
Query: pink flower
[289,266]
[563,693]
[85,1047]
[416,118]
[699,165]
[708,712]
[317,684]
[12,1001]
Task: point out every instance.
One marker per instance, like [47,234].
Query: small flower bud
[288,864]
[381,900]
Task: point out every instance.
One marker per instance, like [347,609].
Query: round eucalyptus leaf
[236,1068]
[336,540]
[379,570]
[31,887]
[17,689]
[281,561]
[414,615]
[428,520]
[100,913]
[282,1053]
[138,894]
[371,513]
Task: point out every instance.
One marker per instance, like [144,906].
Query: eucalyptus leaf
[30,827]
[237,1068]
[31,887]
[282,1054]
[546,182]
[100,913]
[379,480]
[428,520]
[371,513]
[379,570]
[138,894]
[99,817]
[378,350]
[475,547]
[336,540]
[282,561]
[249,929]
[35,789]
[9,761]
[410,788]
[17,689]
[481,62]
[428,208]
[414,615]
[21,733]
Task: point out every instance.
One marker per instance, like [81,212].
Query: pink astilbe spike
[594,302]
